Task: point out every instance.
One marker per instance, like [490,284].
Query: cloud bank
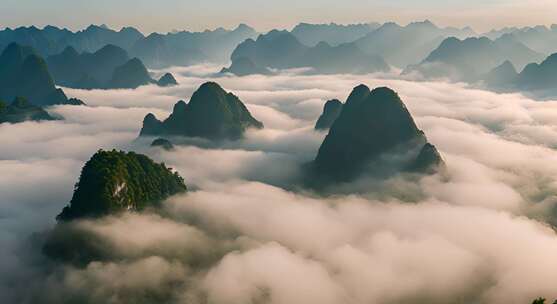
[481,234]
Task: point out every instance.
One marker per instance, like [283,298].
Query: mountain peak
[111,182]
[167,80]
[212,113]
[371,128]
[331,111]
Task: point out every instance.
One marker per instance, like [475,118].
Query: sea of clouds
[482,233]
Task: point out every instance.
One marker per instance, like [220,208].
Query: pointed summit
[212,113]
[331,111]
[167,80]
[373,128]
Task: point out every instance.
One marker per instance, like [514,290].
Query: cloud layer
[481,234]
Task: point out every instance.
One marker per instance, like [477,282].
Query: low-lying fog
[482,235]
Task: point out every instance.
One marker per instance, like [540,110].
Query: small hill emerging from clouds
[212,113]
[167,80]
[21,110]
[374,135]
[108,68]
[116,181]
[23,73]
[281,50]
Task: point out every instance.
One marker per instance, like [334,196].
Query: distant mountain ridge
[108,68]
[471,58]
[282,50]
[540,38]
[177,48]
[332,33]
[404,45]
[538,79]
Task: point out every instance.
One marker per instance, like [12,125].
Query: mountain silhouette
[175,48]
[23,73]
[332,33]
[167,80]
[373,135]
[282,50]
[405,45]
[86,70]
[243,66]
[212,113]
[469,59]
[130,75]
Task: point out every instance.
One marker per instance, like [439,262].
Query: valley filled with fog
[480,232]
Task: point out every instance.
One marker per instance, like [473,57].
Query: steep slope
[373,135]
[331,111]
[212,113]
[116,181]
[25,74]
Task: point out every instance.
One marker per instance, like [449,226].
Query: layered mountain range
[404,45]
[23,73]
[471,58]
[108,68]
[282,50]
[155,50]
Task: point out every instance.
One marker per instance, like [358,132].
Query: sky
[167,15]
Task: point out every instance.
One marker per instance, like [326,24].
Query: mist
[483,233]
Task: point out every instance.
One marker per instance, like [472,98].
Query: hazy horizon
[169,15]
